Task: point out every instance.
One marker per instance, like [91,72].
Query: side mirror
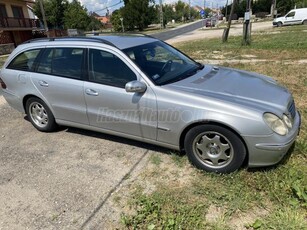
[135,87]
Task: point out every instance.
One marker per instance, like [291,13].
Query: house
[15,24]
[105,20]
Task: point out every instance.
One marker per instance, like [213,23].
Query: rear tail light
[3,85]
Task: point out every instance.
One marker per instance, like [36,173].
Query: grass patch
[283,43]
[179,160]
[155,159]
[170,208]
[273,198]
[2,60]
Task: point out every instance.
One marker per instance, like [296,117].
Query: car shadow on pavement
[121,140]
[117,139]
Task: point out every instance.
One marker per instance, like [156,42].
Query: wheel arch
[280,23]
[26,97]
[190,126]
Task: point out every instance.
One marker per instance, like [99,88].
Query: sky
[99,6]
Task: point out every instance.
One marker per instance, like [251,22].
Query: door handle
[91,92]
[43,83]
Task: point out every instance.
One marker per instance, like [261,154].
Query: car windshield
[162,63]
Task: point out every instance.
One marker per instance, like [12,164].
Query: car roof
[127,41]
[119,41]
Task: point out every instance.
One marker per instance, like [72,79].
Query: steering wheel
[167,66]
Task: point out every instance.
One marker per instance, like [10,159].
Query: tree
[168,14]
[94,24]
[226,31]
[138,13]
[115,20]
[54,11]
[284,6]
[182,11]
[76,17]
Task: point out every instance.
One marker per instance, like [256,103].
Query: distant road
[166,35]
[206,33]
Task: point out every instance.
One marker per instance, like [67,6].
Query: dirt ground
[69,179]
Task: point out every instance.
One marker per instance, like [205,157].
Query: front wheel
[279,24]
[305,22]
[40,115]
[214,149]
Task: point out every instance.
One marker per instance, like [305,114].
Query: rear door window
[64,62]
[24,61]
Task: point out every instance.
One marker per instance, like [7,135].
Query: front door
[109,106]
[290,19]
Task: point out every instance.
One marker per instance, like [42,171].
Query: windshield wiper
[184,76]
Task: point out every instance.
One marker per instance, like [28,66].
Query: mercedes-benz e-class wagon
[141,88]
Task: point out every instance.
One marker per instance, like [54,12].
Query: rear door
[59,78]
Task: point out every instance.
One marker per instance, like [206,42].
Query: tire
[214,149]
[305,22]
[40,115]
[279,24]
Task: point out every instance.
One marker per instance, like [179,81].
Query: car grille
[291,108]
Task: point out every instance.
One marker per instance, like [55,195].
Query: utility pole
[122,23]
[273,9]
[204,15]
[226,10]
[161,16]
[189,10]
[226,31]
[44,17]
[247,24]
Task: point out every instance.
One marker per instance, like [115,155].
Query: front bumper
[274,23]
[271,149]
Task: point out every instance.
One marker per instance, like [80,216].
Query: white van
[294,17]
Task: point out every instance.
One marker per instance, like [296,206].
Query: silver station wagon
[141,88]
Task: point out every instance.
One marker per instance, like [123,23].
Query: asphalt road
[178,31]
[206,33]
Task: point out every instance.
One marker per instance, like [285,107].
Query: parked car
[294,17]
[141,88]
[210,22]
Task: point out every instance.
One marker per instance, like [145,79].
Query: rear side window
[65,62]
[24,61]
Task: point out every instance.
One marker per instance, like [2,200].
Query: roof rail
[83,39]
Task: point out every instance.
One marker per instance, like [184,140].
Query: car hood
[236,86]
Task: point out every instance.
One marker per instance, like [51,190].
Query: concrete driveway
[62,180]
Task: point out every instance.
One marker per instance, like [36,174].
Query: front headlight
[276,124]
[287,121]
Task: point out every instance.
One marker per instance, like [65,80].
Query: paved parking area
[62,180]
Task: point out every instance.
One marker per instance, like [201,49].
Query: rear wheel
[305,22]
[214,148]
[40,115]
